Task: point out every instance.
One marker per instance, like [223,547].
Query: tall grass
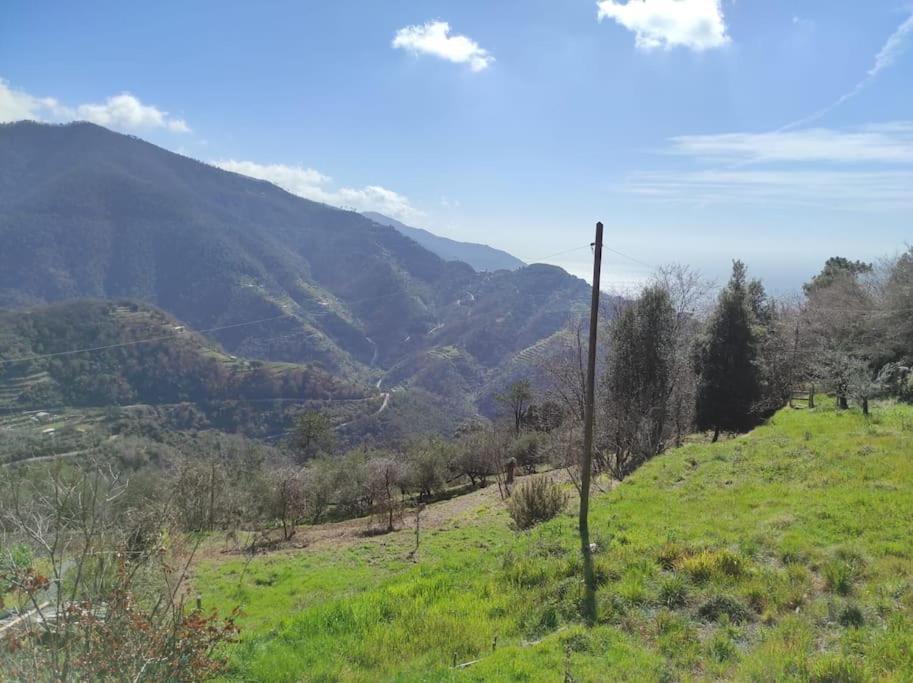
[780,555]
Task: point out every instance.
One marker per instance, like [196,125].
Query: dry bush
[536,501]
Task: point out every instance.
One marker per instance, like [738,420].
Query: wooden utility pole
[586,464]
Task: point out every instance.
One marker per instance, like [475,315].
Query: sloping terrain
[140,355]
[480,256]
[780,555]
[146,372]
[88,213]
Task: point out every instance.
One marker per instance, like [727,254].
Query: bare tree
[566,371]
[288,499]
[97,602]
[517,398]
[385,479]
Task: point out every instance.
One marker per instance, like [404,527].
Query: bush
[851,617]
[839,577]
[673,592]
[525,450]
[719,605]
[709,563]
[535,501]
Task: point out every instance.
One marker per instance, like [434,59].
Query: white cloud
[868,168]
[433,38]
[311,184]
[126,112]
[875,190]
[18,105]
[695,24]
[122,112]
[885,143]
[896,44]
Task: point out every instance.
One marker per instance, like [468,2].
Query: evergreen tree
[639,379]
[726,362]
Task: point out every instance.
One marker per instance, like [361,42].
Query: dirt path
[45,458]
[343,534]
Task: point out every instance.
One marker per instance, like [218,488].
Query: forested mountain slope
[85,212]
[140,355]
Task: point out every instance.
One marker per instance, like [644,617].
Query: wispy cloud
[310,184]
[890,143]
[122,112]
[433,38]
[694,24]
[890,52]
[867,168]
[832,189]
[894,47]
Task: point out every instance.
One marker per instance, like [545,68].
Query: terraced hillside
[781,555]
[86,212]
[145,371]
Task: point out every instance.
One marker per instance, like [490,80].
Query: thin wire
[630,258]
[540,259]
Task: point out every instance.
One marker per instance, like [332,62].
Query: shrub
[709,563]
[536,501]
[673,592]
[525,450]
[851,617]
[721,648]
[720,605]
[839,577]
[669,554]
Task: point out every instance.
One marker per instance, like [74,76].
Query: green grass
[785,554]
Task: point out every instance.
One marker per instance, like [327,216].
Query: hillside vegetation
[176,365]
[89,213]
[782,554]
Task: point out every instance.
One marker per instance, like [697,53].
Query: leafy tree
[517,399]
[726,362]
[639,379]
[842,313]
[899,307]
[320,484]
[836,268]
[526,452]
[312,435]
[428,462]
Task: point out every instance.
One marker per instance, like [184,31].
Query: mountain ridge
[481,257]
[89,213]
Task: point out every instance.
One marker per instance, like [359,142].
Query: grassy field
[784,554]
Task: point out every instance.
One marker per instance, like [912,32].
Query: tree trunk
[841,402]
[716,435]
[865,406]
[212,497]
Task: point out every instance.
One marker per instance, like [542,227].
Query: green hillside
[89,213]
[783,554]
[170,364]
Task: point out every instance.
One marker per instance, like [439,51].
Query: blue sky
[776,131]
